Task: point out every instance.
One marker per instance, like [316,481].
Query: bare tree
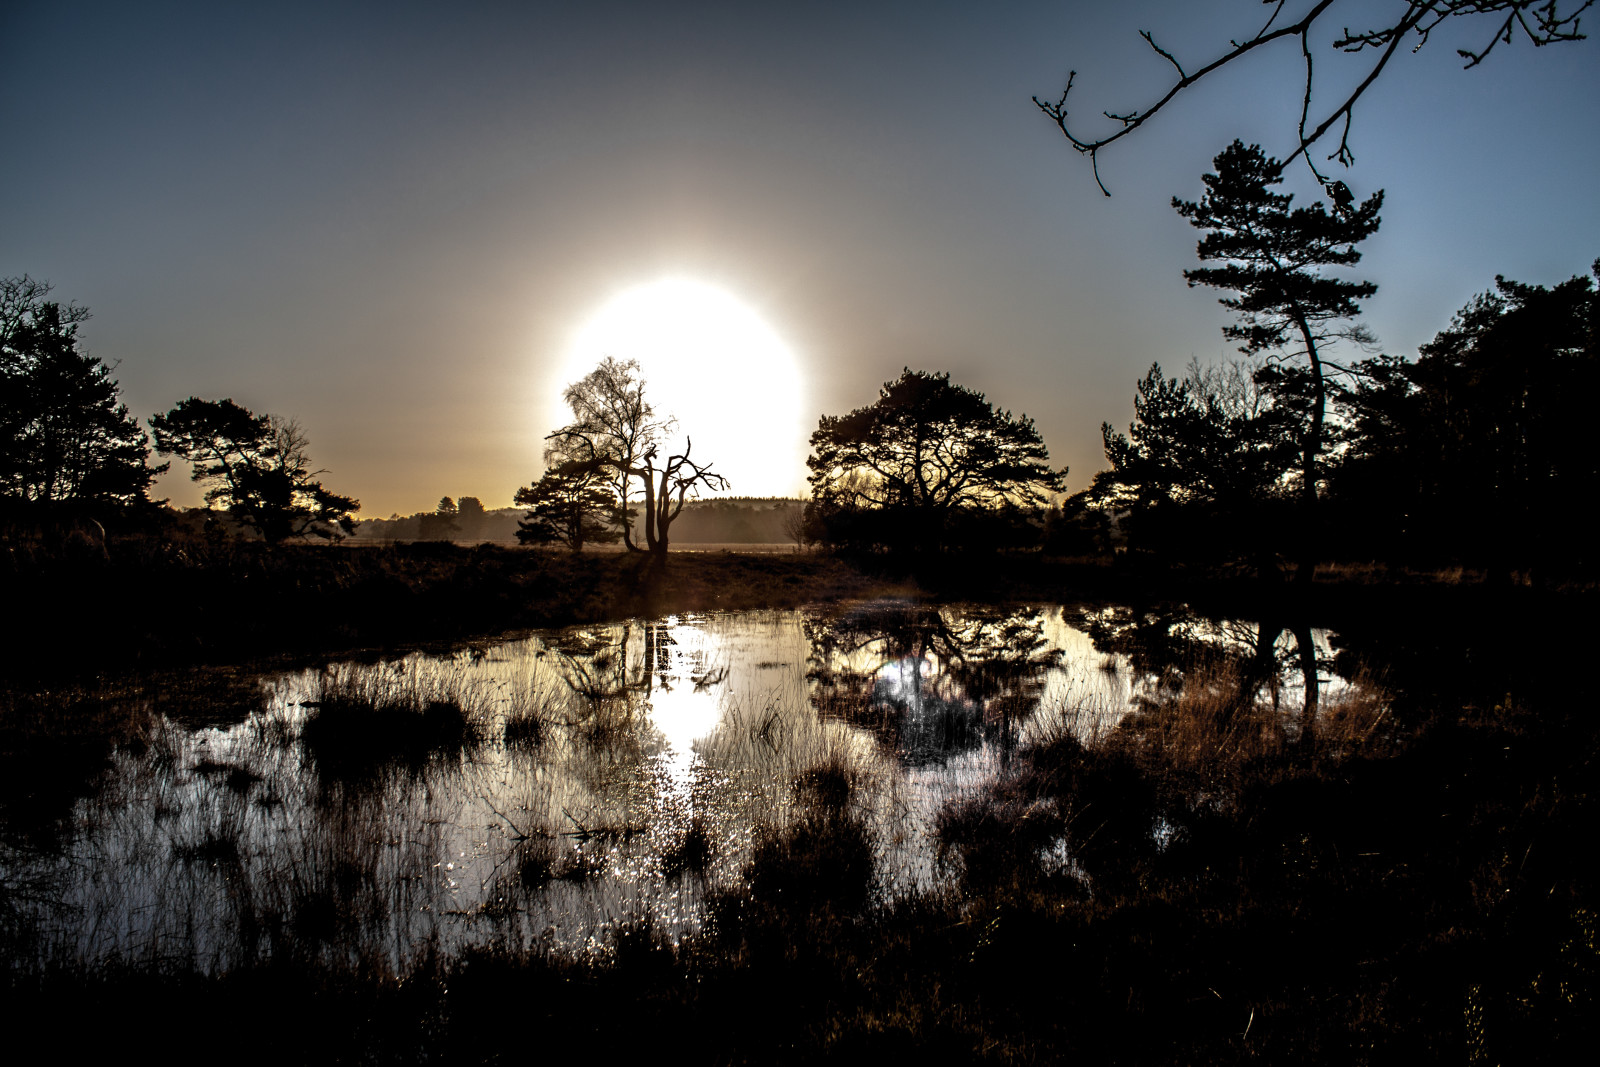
[1541,21]
[616,428]
[667,487]
[612,425]
[795,528]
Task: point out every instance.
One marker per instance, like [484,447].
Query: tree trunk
[663,519]
[1309,554]
[1308,671]
[646,474]
[627,523]
[1262,668]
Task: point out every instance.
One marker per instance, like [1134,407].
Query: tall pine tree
[1272,256]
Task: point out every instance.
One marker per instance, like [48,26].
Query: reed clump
[826,858]
[363,720]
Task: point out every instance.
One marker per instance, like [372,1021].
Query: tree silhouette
[616,428]
[65,435]
[612,425]
[1202,467]
[440,523]
[1273,256]
[668,481]
[257,468]
[1481,450]
[572,504]
[1540,21]
[925,455]
[471,516]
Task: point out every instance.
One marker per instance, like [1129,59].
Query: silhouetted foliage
[1202,470]
[612,424]
[1542,22]
[65,435]
[471,516]
[1480,451]
[573,503]
[617,429]
[257,468]
[1078,528]
[439,524]
[928,464]
[1274,257]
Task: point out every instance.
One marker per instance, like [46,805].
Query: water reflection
[549,789]
[930,682]
[1288,663]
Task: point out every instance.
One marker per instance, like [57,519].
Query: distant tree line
[463,519]
[739,520]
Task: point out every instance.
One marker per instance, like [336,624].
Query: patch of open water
[595,777]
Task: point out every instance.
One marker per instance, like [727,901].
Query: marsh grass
[826,858]
[364,720]
[1201,881]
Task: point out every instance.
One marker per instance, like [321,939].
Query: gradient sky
[390,221]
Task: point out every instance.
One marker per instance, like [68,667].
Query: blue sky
[388,220]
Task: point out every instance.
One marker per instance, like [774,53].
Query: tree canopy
[574,502]
[257,468]
[616,429]
[65,434]
[928,452]
[1202,468]
[1481,451]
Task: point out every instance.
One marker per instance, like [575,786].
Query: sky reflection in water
[224,843]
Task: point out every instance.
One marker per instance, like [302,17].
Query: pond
[550,789]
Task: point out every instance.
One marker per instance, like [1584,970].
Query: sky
[398,223]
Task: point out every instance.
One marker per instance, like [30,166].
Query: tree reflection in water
[930,682]
[1167,644]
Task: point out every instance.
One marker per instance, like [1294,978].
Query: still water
[565,783]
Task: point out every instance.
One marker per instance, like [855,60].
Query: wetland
[1143,831]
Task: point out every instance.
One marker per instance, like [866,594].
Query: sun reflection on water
[600,775]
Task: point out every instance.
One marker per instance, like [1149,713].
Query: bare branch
[1549,24]
[1151,41]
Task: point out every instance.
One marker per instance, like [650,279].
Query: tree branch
[1549,25]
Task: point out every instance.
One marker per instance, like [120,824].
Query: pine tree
[1272,257]
[573,503]
[65,435]
[256,466]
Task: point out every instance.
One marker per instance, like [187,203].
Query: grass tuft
[364,721]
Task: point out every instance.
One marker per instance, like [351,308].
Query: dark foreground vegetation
[151,601]
[1204,883]
[170,599]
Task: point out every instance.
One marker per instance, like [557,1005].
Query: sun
[712,363]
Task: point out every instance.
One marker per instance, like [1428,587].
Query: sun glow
[712,363]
